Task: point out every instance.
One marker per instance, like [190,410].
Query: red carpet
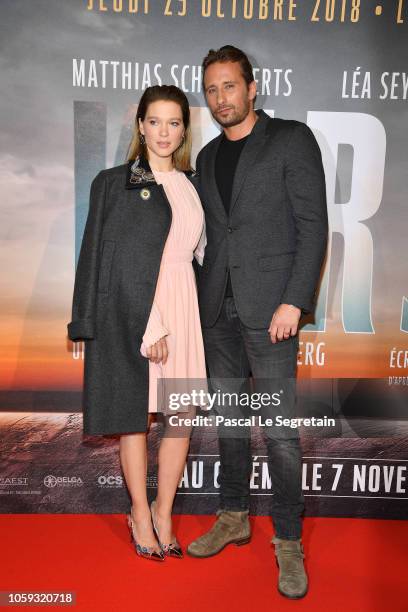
[354,565]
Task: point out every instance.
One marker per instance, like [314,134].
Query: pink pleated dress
[175,314]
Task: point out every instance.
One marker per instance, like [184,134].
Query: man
[263,191]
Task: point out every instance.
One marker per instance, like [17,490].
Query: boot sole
[292,596]
[239,542]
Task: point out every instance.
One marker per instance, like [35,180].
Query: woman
[135,304]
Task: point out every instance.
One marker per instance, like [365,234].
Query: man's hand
[284,322]
[158,352]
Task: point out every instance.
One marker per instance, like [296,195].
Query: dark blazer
[126,229]
[274,240]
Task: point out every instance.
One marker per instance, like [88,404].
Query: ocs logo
[110,481]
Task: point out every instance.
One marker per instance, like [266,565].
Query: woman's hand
[158,352]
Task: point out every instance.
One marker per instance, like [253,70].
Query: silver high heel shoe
[170,550]
[148,552]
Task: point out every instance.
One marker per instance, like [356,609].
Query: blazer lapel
[212,183]
[248,155]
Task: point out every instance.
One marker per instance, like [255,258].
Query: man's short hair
[228,53]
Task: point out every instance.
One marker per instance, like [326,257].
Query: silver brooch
[140,175]
[145,194]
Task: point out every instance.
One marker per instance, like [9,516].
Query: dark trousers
[232,352]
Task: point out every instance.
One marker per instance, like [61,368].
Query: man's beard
[236,117]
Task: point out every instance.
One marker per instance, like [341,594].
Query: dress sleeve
[200,248]
[154,331]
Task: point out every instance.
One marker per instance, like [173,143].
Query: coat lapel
[139,174]
[215,195]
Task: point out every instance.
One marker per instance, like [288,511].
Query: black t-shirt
[225,165]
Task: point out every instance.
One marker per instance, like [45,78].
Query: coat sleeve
[83,324]
[155,329]
[305,183]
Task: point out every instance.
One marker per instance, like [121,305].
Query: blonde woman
[135,304]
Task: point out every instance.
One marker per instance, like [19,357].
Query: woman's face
[162,128]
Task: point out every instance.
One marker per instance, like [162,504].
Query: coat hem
[113,433]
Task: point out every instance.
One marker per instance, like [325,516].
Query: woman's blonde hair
[182,155]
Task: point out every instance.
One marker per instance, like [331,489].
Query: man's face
[228,96]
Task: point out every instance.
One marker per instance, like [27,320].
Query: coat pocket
[276,262]
[108,248]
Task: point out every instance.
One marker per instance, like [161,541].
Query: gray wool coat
[128,222]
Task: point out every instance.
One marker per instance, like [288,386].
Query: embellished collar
[139,173]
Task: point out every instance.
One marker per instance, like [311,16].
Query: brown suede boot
[229,528]
[292,581]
